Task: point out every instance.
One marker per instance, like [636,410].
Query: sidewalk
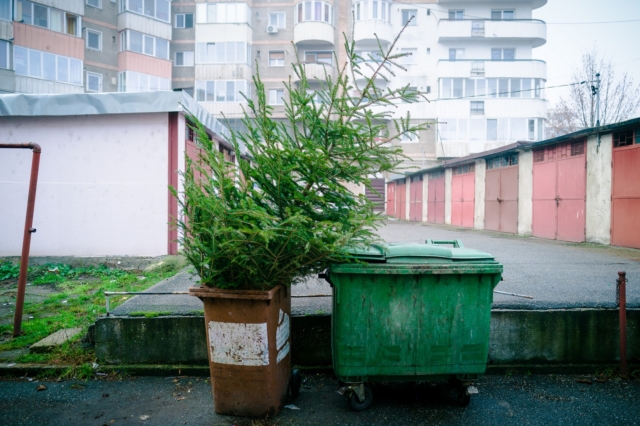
[502,400]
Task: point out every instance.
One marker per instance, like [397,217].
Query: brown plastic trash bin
[249,348]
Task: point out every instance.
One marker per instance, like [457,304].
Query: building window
[183,59]
[503,161]
[46,17]
[372,9]
[276,96]
[503,54]
[158,9]
[409,137]
[428,89]
[428,51]
[131,81]
[368,56]
[456,54]
[278,20]
[532,129]
[625,138]
[224,13]
[409,14]
[456,15]
[94,40]
[183,20]
[577,148]
[94,82]
[314,11]
[95,3]
[492,130]
[477,107]
[276,59]
[5,10]
[410,57]
[47,66]
[145,44]
[461,170]
[4,54]
[477,69]
[222,91]
[318,58]
[502,15]
[230,52]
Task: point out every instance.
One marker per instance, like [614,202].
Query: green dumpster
[412,312]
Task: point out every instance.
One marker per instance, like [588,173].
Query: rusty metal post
[621,296]
[28,230]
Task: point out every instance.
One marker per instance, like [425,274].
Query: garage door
[463,188]
[435,198]
[501,194]
[625,205]
[559,189]
[415,203]
[375,194]
[391,199]
[401,200]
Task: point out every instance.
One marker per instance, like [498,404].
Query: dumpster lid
[414,252]
[371,252]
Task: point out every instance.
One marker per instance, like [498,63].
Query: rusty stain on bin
[249,341]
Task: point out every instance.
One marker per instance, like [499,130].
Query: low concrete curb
[518,337]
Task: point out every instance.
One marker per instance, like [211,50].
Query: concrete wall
[481,174]
[525,192]
[448,177]
[102,187]
[598,204]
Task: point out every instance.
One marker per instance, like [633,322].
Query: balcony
[313,33]
[535,4]
[364,31]
[466,68]
[315,72]
[532,30]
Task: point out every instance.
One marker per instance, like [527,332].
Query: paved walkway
[557,274]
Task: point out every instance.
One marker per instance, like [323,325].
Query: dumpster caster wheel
[294,383]
[463,397]
[356,404]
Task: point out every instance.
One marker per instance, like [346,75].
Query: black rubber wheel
[463,397]
[295,382]
[356,404]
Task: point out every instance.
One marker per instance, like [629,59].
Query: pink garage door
[463,189]
[625,206]
[375,194]
[401,200]
[501,194]
[391,199]
[559,191]
[415,202]
[435,198]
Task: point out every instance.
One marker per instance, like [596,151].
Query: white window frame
[408,12]
[94,74]
[305,12]
[203,56]
[124,6]
[8,55]
[409,138]
[502,11]
[9,19]
[315,52]
[458,14]
[184,20]
[175,58]
[278,24]
[202,86]
[274,99]
[459,53]
[65,16]
[125,44]
[56,72]
[476,110]
[99,6]
[409,59]
[91,30]
[277,64]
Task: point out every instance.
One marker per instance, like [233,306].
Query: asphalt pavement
[559,275]
[502,400]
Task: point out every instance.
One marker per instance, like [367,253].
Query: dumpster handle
[455,243]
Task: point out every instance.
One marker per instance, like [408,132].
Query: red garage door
[463,189]
[391,199]
[415,202]
[435,198]
[559,190]
[501,194]
[401,200]
[625,205]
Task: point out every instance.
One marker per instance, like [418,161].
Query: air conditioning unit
[272,29]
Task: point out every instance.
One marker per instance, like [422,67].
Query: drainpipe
[28,230]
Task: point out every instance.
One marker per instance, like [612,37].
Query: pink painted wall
[131,61]
[48,41]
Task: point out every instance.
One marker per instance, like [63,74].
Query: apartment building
[472,59]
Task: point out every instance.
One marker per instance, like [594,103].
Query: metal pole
[598,100]
[622,304]
[28,230]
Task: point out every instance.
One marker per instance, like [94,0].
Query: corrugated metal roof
[20,105]
[588,132]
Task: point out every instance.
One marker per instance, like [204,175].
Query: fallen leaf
[41,388]
[144,417]
[175,380]
[291,407]
[181,398]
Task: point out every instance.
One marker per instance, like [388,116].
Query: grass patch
[150,314]
[77,300]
